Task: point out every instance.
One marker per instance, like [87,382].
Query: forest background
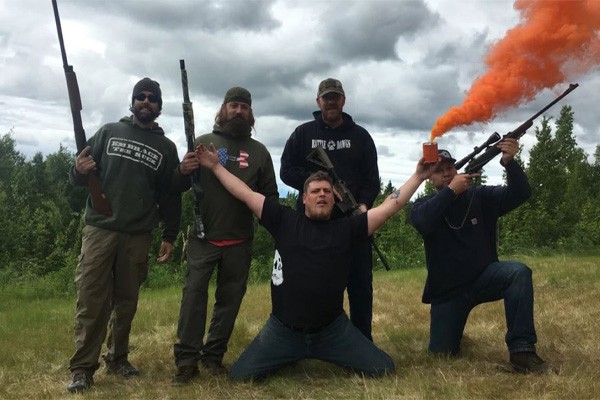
[41,216]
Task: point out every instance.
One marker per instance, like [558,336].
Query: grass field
[36,343]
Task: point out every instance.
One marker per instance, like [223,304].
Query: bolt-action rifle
[188,120]
[475,164]
[348,203]
[99,201]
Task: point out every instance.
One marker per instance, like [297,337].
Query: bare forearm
[393,203]
[397,199]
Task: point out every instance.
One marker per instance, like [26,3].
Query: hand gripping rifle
[477,163]
[99,202]
[188,120]
[348,203]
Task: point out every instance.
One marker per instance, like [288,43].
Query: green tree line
[41,214]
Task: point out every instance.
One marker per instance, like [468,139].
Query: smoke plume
[555,41]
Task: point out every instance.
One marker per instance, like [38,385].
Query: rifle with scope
[476,163]
[348,203]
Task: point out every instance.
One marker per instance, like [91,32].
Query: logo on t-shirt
[277,275]
[224,157]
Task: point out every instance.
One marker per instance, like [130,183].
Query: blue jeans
[360,288]
[339,342]
[508,280]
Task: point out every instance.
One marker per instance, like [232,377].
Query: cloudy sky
[403,64]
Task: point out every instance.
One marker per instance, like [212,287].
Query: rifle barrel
[60,37]
[184,82]
[572,87]
[476,163]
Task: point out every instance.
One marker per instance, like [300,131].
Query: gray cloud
[188,16]
[360,30]
[403,65]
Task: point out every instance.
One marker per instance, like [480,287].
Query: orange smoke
[556,40]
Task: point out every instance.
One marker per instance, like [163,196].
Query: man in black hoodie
[458,225]
[352,152]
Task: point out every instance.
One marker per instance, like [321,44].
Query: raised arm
[397,199]
[210,160]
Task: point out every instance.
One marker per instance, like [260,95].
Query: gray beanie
[148,85]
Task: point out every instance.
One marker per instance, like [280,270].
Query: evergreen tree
[11,161]
[389,188]
[547,179]
[562,183]
[594,183]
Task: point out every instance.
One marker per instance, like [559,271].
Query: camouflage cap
[330,85]
[238,94]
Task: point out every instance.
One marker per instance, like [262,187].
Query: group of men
[320,252]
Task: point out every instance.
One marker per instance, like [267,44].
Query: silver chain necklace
[464,218]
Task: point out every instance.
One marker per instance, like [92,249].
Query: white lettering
[135,151]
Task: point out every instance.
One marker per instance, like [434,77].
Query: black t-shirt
[310,270]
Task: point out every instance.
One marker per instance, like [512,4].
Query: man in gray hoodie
[135,163]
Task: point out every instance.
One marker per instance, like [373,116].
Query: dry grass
[36,343]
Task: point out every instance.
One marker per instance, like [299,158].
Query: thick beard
[237,127]
[145,118]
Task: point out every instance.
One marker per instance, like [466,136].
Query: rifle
[348,203]
[491,151]
[99,201]
[188,120]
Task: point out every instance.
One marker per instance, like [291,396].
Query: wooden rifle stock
[99,202]
[188,120]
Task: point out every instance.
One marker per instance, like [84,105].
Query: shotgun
[188,121]
[99,201]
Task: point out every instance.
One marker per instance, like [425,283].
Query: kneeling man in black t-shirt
[310,274]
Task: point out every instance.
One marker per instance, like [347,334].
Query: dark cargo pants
[233,264]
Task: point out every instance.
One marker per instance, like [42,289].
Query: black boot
[184,375]
[528,362]
[81,381]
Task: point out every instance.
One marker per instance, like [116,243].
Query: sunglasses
[142,97]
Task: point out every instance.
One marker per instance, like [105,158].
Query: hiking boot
[80,381]
[214,367]
[528,362]
[184,375]
[121,367]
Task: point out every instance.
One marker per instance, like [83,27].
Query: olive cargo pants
[112,266]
